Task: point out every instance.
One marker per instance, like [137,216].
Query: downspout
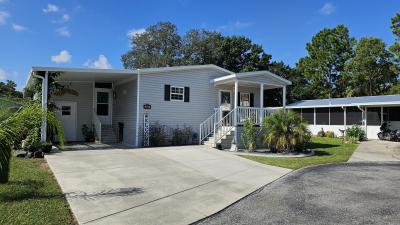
[43,129]
[137,108]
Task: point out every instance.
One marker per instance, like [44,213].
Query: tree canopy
[8,89]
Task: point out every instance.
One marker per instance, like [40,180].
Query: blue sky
[94,33]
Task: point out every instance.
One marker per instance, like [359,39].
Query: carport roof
[379,100]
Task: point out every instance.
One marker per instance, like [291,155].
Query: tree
[371,70]
[8,89]
[395,48]
[158,46]
[328,52]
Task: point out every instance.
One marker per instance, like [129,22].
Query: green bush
[329,134]
[355,133]
[158,135]
[285,132]
[249,135]
[182,136]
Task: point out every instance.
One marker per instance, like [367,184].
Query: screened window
[177,93]
[353,116]
[374,116]
[337,116]
[308,115]
[297,111]
[394,113]
[322,116]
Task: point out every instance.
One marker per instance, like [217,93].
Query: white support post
[235,108]
[43,129]
[366,120]
[284,97]
[344,119]
[137,108]
[261,102]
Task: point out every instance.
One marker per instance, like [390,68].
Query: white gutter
[43,129]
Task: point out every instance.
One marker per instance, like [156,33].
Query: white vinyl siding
[84,106]
[125,110]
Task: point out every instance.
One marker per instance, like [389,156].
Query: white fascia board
[397,103]
[264,72]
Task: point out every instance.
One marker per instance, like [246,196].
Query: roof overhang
[266,78]
[370,104]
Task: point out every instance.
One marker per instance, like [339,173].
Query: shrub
[182,136]
[88,133]
[355,133]
[249,135]
[329,134]
[285,132]
[158,135]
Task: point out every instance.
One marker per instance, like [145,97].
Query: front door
[67,115]
[103,105]
[225,100]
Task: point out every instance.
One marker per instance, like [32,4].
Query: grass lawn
[32,196]
[327,150]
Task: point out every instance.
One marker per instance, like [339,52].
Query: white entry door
[103,105]
[67,115]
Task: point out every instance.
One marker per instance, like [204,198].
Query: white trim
[170,94]
[110,104]
[137,108]
[240,99]
[351,105]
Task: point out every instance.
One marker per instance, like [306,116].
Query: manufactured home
[122,104]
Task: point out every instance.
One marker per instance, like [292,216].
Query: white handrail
[224,126]
[97,125]
[207,127]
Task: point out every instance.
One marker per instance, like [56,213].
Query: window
[322,116]
[353,116]
[374,116]
[65,110]
[225,97]
[245,99]
[102,103]
[394,113]
[337,116]
[308,115]
[177,93]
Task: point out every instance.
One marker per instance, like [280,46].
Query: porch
[240,97]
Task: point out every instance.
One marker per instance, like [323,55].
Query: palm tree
[285,131]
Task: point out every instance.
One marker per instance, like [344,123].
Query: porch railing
[97,125]
[207,127]
[257,114]
[224,126]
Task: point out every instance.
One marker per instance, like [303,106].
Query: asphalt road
[351,193]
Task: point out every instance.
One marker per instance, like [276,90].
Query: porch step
[224,143]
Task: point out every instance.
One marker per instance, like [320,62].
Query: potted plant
[88,133]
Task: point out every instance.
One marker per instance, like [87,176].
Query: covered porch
[241,96]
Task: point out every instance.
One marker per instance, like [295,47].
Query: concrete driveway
[376,150]
[351,193]
[174,185]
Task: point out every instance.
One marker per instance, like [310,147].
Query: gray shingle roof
[352,101]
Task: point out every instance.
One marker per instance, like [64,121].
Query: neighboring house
[211,100]
[337,114]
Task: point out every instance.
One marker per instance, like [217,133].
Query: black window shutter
[167,92]
[238,99]
[187,94]
[251,99]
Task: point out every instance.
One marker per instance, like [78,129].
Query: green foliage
[328,52]
[8,90]
[162,46]
[394,90]
[21,125]
[285,132]
[371,71]
[249,135]
[182,136]
[329,134]
[158,135]
[354,134]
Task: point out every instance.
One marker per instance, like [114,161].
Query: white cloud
[134,32]
[327,9]
[62,57]
[234,26]
[100,63]
[63,31]
[51,8]
[66,17]
[3,74]
[18,27]
[3,17]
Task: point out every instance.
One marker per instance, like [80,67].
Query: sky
[95,33]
